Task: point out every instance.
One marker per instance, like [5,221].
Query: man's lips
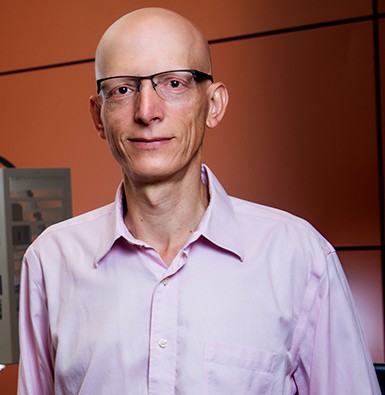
[149,143]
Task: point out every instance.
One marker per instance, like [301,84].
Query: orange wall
[300,134]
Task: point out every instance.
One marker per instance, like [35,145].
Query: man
[177,288]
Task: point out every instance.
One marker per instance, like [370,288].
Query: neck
[166,213]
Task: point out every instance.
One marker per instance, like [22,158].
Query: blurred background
[304,129]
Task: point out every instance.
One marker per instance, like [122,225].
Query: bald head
[151,40]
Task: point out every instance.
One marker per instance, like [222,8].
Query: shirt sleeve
[333,356]
[35,366]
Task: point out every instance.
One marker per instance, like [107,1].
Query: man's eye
[122,90]
[175,83]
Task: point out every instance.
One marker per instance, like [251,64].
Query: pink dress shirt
[255,303]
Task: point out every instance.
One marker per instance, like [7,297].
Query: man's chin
[153,175]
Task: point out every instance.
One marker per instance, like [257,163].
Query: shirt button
[162,343]
[165,281]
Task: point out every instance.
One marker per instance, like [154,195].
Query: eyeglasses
[169,85]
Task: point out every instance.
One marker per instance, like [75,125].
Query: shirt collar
[115,227]
[218,224]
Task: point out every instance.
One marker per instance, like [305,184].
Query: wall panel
[296,100]
[381,6]
[8,380]
[56,32]
[70,30]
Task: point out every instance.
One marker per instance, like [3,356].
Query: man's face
[151,137]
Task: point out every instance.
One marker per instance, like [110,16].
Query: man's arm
[35,369]
[334,357]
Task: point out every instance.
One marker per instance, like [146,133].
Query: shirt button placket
[163,341]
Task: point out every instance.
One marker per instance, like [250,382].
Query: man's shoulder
[267,219]
[82,223]
[264,212]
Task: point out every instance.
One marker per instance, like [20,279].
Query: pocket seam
[240,356]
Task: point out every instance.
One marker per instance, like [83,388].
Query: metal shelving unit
[30,201]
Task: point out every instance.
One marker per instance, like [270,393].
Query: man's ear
[218,102]
[94,109]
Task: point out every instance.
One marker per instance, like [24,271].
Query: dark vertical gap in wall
[377,71]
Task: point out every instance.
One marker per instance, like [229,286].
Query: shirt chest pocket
[232,369]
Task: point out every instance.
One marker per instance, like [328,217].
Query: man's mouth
[153,143]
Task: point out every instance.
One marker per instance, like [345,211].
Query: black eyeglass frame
[198,75]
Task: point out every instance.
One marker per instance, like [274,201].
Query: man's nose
[148,105]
